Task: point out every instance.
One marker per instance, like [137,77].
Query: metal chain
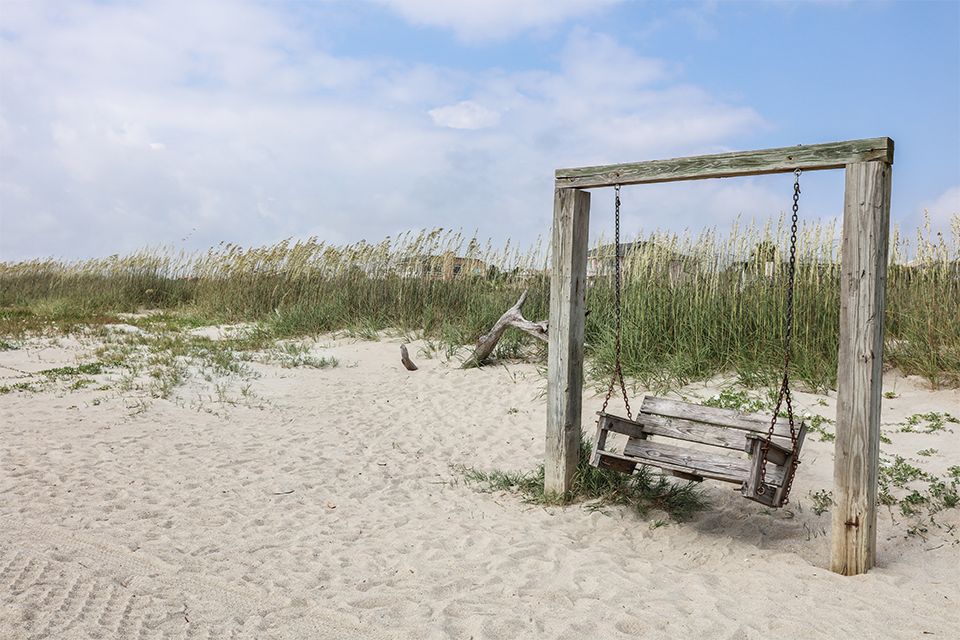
[784,394]
[618,370]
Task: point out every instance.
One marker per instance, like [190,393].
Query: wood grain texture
[677,429]
[866,224]
[692,461]
[731,418]
[834,155]
[568,284]
[512,317]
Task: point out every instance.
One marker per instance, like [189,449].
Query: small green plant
[822,501]
[900,472]
[737,399]
[81,383]
[944,495]
[937,495]
[935,422]
[913,502]
[430,349]
[926,452]
[816,426]
[814,533]
[17,386]
[290,355]
[91,369]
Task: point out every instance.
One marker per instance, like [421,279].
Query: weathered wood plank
[763,492]
[571,226]
[776,454]
[615,462]
[757,422]
[866,225]
[649,424]
[621,425]
[834,155]
[690,461]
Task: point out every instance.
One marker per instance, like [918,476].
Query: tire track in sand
[58,583]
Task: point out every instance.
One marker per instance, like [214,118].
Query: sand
[322,503]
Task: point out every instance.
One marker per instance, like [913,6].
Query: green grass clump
[935,420]
[643,490]
[938,494]
[60,373]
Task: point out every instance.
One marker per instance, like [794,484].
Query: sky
[127,125]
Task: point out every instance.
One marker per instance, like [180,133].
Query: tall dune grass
[693,306]
[923,304]
[698,305]
[296,287]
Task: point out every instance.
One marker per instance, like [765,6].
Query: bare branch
[512,318]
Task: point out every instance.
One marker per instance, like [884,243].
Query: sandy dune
[321,503]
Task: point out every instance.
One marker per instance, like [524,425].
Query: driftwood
[405,359]
[512,318]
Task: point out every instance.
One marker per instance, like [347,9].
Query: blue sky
[186,124]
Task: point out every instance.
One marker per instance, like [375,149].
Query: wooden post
[568,285]
[866,226]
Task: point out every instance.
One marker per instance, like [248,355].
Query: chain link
[618,370]
[784,395]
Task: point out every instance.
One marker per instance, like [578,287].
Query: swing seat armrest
[777,453]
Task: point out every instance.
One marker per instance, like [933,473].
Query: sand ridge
[321,503]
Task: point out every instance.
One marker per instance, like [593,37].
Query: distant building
[641,258]
[444,267]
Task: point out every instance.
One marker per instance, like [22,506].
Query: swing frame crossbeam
[866,223]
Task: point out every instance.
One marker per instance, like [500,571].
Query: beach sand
[322,503]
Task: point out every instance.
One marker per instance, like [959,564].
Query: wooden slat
[757,422]
[677,429]
[696,432]
[776,453]
[834,155]
[621,425]
[615,462]
[772,495]
[701,463]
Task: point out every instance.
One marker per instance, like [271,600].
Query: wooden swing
[773,444]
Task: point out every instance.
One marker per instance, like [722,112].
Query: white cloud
[263,136]
[942,209]
[464,115]
[483,20]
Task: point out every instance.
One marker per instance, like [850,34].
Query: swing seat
[719,430]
